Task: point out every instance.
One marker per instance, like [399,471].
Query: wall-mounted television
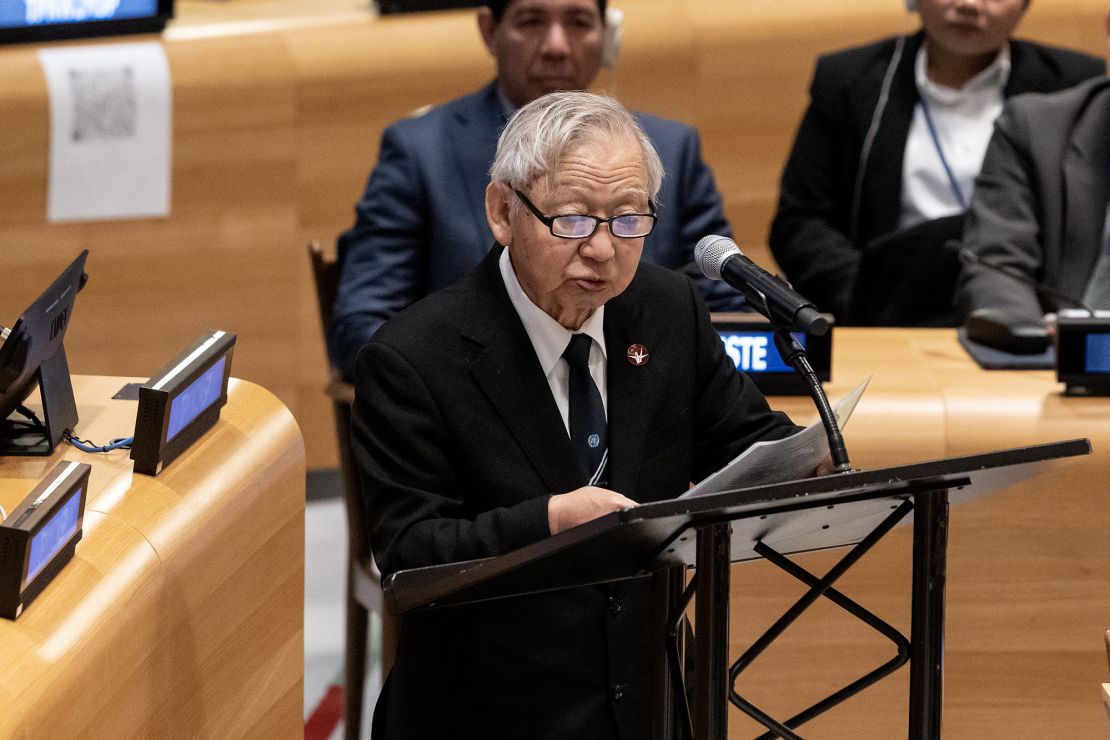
[51,20]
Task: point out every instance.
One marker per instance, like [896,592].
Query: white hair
[541,134]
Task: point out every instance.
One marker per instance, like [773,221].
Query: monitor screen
[755,351]
[46,20]
[198,396]
[1097,356]
[749,343]
[53,535]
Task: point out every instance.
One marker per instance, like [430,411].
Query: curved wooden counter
[182,611]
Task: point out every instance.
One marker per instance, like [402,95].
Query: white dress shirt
[964,121]
[550,339]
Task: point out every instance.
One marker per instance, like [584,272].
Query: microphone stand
[794,354]
[789,348]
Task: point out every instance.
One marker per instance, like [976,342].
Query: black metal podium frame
[711,532]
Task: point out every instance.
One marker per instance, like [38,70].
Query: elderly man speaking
[560,381]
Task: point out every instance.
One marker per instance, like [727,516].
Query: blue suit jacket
[421,223]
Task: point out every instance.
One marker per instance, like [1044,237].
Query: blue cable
[86,446]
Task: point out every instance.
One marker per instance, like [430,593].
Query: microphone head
[711,252]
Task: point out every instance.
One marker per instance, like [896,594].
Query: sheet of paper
[110,131]
[775,461]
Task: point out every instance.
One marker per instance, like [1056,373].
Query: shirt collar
[992,79]
[549,337]
[507,107]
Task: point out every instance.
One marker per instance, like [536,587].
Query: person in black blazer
[842,186]
[421,224]
[461,421]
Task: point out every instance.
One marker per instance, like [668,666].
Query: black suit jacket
[460,444]
[821,225]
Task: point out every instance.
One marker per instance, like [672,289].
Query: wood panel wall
[278,106]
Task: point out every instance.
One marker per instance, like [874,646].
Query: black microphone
[720,259]
[999,329]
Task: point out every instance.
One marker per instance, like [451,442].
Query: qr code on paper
[104,103]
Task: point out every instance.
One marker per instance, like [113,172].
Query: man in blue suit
[421,222]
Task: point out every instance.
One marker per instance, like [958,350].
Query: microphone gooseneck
[720,259]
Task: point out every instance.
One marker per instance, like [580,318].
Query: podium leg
[930,544]
[668,584]
[709,712]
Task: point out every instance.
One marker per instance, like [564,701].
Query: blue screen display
[27,13]
[1097,357]
[193,401]
[755,351]
[53,535]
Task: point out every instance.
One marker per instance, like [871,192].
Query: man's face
[569,278]
[544,45]
[970,27]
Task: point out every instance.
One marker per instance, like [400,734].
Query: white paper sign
[110,132]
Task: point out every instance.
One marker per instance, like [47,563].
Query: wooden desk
[1028,590]
[182,612]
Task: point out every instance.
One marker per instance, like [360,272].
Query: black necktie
[587,413]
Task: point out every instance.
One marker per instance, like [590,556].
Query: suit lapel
[1086,165]
[883,178]
[628,390]
[507,371]
[1029,71]
[474,130]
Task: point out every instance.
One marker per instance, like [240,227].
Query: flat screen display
[48,20]
[27,13]
[53,535]
[192,402]
[755,351]
[1097,357]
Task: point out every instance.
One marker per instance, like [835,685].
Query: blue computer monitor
[50,20]
[33,356]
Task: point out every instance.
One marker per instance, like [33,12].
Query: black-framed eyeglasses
[580,226]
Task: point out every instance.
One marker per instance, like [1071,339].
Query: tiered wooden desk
[1028,590]
[182,613]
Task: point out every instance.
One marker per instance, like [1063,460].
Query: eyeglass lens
[578,227]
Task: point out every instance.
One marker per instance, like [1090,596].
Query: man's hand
[566,510]
[825,467]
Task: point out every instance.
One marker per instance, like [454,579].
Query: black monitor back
[33,354]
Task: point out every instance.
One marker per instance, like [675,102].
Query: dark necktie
[586,411]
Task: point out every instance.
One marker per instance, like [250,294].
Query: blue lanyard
[955,186]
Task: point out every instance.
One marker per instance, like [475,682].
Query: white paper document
[779,460]
[110,131]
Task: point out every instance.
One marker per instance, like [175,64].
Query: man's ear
[497,213]
[487,25]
